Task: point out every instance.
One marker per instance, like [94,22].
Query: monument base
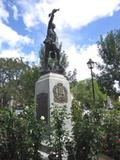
[52,90]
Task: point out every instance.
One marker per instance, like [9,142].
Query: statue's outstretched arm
[51,15]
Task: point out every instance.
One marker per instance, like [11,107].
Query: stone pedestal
[52,89]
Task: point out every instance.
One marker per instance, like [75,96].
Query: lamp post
[90,64]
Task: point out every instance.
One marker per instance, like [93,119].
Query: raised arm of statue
[51,15]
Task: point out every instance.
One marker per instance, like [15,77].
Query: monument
[52,88]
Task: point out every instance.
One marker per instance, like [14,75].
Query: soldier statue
[51,43]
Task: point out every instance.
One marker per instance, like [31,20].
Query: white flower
[42,118]
[26,107]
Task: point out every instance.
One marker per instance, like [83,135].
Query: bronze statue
[51,43]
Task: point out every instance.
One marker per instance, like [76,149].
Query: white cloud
[30,13]
[32,57]
[73,13]
[7,34]
[15,12]
[14,41]
[17,53]
[78,59]
[3,12]
[10,53]
[11,37]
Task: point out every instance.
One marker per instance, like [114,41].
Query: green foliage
[76,110]
[87,132]
[27,82]
[117,105]
[95,128]
[96,131]
[111,126]
[58,132]
[109,50]
[17,81]
[10,72]
[82,92]
[20,135]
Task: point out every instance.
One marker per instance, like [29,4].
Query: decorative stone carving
[60,93]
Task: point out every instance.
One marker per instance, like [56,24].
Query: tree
[17,82]
[109,51]
[27,83]
[10,72]
[82,92]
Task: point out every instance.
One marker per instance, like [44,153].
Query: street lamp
[90,64]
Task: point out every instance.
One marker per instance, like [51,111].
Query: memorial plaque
[60,93]
[42,106]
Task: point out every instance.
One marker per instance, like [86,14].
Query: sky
[79,25]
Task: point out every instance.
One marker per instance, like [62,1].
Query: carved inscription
[60,93]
